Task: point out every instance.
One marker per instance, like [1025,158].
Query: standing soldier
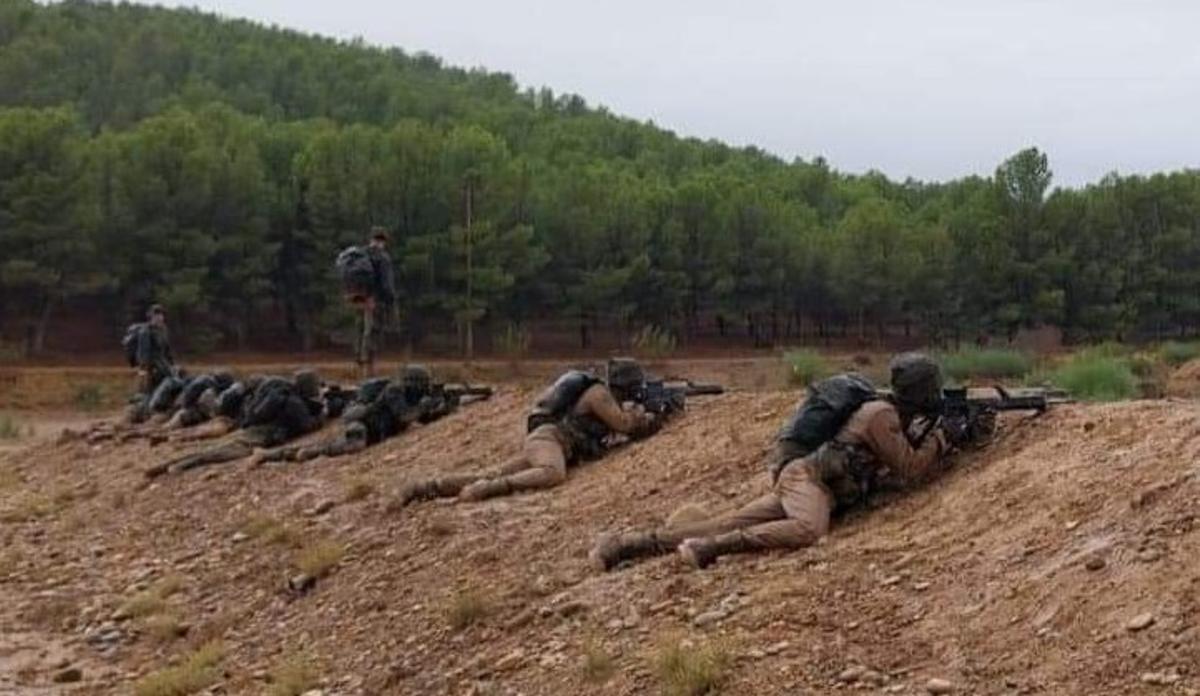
[370,286]
[811,487]
[380,305]
[149,349]
[571,421]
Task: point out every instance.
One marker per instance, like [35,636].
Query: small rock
[1160,678]
[873,678]
[1140,622]
[1149,555]
[891,580]
[939,686]
[70,675]
[572,608]
[922,586]
[777,648]
[1095,563]
[510,660]
[301,583]
[709,617]
[756,654]
[239,537]
[852,674]
[322,508]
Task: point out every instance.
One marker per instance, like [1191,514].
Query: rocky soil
[1063,559]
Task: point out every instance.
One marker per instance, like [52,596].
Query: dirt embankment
[1061,560]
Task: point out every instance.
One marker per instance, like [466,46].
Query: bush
[1089,377]
[1176,353]
[806,366]
[466,608]
[653,342]
[294,677]
[686,670]
[320,558]
[987,363]
[195,673]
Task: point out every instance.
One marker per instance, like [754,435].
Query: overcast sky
[933,89]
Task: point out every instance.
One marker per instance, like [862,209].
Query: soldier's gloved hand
[956,430]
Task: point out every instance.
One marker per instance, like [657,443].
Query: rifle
[667,398]
[979,412]
[458,392]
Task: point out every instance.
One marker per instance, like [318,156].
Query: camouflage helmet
[625,373]
[207,403]
[916,382]
[308,384]
[416,377]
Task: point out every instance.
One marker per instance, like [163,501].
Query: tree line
[218,166]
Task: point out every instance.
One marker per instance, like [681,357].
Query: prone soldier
[572,421]
[815,480]
[381,409]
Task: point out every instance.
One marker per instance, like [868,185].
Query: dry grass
[10,561]
[467,608]
[10,478]
[685,669]
[271,530]
[358,489]
[51,612]
[165,628]
[295,676]
[153,600]
[193,674]
[27,507]
[319,558]
[598,665]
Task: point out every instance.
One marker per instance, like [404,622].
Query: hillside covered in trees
[217,166]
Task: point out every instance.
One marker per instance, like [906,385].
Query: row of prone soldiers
[262,414]
[830,456]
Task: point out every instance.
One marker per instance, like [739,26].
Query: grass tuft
[195,673]
[1091,376]
[466,608]
[986,363]
[271,530]
[165,628]
[598,665]
[89,397]
[358,489]
[320,558]
[10,429]
[688,670]
[295,676]
[806,366]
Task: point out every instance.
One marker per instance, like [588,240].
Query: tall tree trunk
[43,323]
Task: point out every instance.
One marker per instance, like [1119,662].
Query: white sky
[929,88]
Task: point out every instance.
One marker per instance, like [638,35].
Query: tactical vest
[585,432]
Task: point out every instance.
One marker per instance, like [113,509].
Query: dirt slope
[1018,573]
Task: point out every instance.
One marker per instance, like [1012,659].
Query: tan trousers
[542,464]
[793,515]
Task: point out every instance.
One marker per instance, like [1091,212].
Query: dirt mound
[1063,559]
[1185,380]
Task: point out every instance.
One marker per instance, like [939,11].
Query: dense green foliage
[217,166]
[990,363]
[1093,377]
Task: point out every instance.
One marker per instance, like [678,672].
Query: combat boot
[702,552]
[612,549]
[487,488]
[428,489]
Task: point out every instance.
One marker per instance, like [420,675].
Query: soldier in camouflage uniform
[571,421]
[279,410]
[809,489]
[383,409]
